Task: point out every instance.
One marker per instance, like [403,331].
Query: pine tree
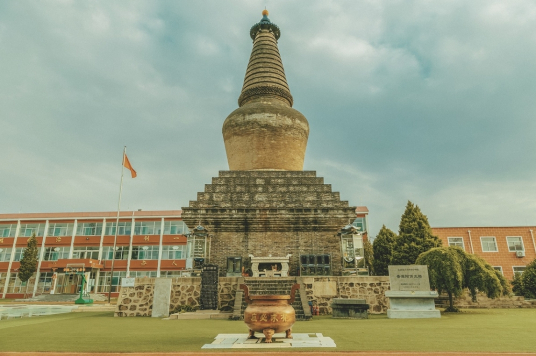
[383,251]
[369,257]
[529,280]
[414,237]
[28,263]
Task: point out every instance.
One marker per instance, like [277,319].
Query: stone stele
[161,298]
[410,294]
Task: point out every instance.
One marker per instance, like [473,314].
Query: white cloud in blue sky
[431,102]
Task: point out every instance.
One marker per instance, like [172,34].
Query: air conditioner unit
[520,253]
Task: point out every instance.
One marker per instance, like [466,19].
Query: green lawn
[496,330]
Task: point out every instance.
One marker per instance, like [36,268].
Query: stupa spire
[265,75]
[265,132]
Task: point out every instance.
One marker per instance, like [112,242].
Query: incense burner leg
[288,333]
[268,333]
[252,334]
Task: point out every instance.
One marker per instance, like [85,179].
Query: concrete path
[285,352]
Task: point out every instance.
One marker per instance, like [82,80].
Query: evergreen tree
[529,280]
[451,270]
[383,251]
[517,285]
[28,263]
[369,257]
[414,237]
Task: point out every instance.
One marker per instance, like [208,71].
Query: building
[507,249]
[149,244]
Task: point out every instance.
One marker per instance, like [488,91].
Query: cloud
[431,102]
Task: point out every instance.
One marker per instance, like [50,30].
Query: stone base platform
[412,305]
[241,341]
[200,314]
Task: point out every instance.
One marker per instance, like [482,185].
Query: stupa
[265,212]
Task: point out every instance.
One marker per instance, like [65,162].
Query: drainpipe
[533,244]
[471,241]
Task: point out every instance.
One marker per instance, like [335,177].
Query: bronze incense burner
[269,314]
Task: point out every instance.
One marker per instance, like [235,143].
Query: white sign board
[128,282]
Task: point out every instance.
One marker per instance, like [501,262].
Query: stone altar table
[270,261]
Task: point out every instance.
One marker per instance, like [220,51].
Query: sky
[427,101]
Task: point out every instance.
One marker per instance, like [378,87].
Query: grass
[490,330]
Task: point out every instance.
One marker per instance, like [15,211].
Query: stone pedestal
[412,305]
[270,212]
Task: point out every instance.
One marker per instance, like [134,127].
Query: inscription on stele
[409,278]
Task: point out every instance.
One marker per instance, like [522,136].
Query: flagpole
[117,224]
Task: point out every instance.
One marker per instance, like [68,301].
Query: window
[361,223]
[56,253]
[86,252]
[515,243]
[147,228]
[104,281]
[15,285]
[45,281]
[171,274]
[18,254]
[8,230]
[519,269]
[60,229]
[121,252]
[234,265]
[3,276]
[27,230]
[173,252]
[142,274]
[89,229]
[456,242]
[489,244]
[145,252]
[175,227]
[498,268]
[5,254]
[124,228]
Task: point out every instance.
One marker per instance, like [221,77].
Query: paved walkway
[285,352]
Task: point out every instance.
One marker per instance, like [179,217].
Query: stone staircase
[273,286]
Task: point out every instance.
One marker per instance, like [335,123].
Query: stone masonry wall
[322,290]
[227,292]
[138,300]
[276,244]
[466,302]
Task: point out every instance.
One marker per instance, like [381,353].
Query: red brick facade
[503,256]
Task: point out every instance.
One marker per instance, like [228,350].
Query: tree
[414,236]
[383,251]
[529,280]
[517,284]
[451,270]
[369,257]
[28,263]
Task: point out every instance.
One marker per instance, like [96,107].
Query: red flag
[127,165]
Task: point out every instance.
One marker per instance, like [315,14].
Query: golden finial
[265,12]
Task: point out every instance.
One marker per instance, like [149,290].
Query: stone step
[267,188]
[267,173]
[318,181]
[274,204]
[233,198]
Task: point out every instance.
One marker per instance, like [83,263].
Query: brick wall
[503,257]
